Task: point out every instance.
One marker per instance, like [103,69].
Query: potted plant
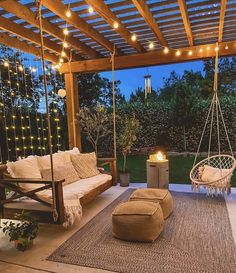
[22,232]
[128,132]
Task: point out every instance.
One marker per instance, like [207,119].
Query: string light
[68,13]
[226,47]
[208,48]
[115,25]
[151,45]
[65,44]
[21,68]
[216,48]
[166,50]
[90,9]
[65,31]
[63,54]
[5,63]
[61,60]
[200,50]
[190,53]
[178,53]
[133,37]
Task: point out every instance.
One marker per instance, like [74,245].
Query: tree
[95,123]
[128,134]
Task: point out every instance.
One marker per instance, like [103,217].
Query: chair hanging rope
[55,214]
[214,172]
[114,99]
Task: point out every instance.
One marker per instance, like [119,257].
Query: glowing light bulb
[200,50]
[178,53]
[65,31]
[190,53]
[65,45]
[216,48]
[63,54]
[6,64]
[68,13]
[61,60]
[166,50]
[115,25]
[20,68]
[151,45]
[226,47]
[133,37]
[208,48]
[90,9]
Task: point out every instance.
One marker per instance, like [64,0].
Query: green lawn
[179,168]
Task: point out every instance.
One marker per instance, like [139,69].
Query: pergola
[141,33]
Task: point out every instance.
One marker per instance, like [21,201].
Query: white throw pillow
[75,150]
[59,159]
[211,174]
[25,168]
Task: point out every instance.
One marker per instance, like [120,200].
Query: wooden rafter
[222,19]
[150,58]
[184,13]
[13,6]
[23,46]
[29,35]
[103,10]
[57,7]
[143,9]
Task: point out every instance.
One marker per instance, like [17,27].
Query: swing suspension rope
[55,214]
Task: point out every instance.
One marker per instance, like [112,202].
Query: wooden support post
[72,105]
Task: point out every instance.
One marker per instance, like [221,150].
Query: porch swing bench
[14,199]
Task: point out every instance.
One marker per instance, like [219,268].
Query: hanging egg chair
[214,172]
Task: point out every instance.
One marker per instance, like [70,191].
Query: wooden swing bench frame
[46,215]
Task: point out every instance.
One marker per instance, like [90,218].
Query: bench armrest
[112,166]
[29,180]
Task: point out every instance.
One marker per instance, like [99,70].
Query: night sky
[131,79]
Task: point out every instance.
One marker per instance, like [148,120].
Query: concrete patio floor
[52,236]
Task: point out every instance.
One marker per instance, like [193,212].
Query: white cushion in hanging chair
[211,174]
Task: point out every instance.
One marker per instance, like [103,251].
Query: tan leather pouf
[137,221]
[161,196]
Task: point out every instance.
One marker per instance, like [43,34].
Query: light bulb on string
[208,48]
[115,25]
[190,53]
[166,50]
[90,9]
[65,31]
[61,60]
[68,13]
[133,37]
[6,63]
[63,54]
[226,47]
[178,53]
[216,48]
[200,50]
[65,44]
[151,45]
[20,68]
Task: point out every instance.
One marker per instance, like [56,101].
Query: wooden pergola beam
[29,35]
[21,11]
[103,10]
[222,19]
[184,13]
[57,7]
[151,58]
[23,46]
[143,9]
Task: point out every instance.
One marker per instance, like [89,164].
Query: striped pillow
[85,164]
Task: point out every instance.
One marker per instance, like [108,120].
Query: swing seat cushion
[137,221]
[161,196]
[211,174]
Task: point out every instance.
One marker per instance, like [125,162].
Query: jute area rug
[197,238]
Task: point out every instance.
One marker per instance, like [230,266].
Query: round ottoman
[161,196]
[137,221]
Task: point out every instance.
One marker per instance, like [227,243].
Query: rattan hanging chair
[214,172]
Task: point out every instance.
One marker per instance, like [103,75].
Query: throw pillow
[59,159]
[211,174]
[85,164]
[67,172]
[25,168]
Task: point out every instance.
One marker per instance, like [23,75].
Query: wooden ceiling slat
[184,13]
[150,20]
[23,46]
[57,7]
[222,18]
[110,18]
[26,14]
